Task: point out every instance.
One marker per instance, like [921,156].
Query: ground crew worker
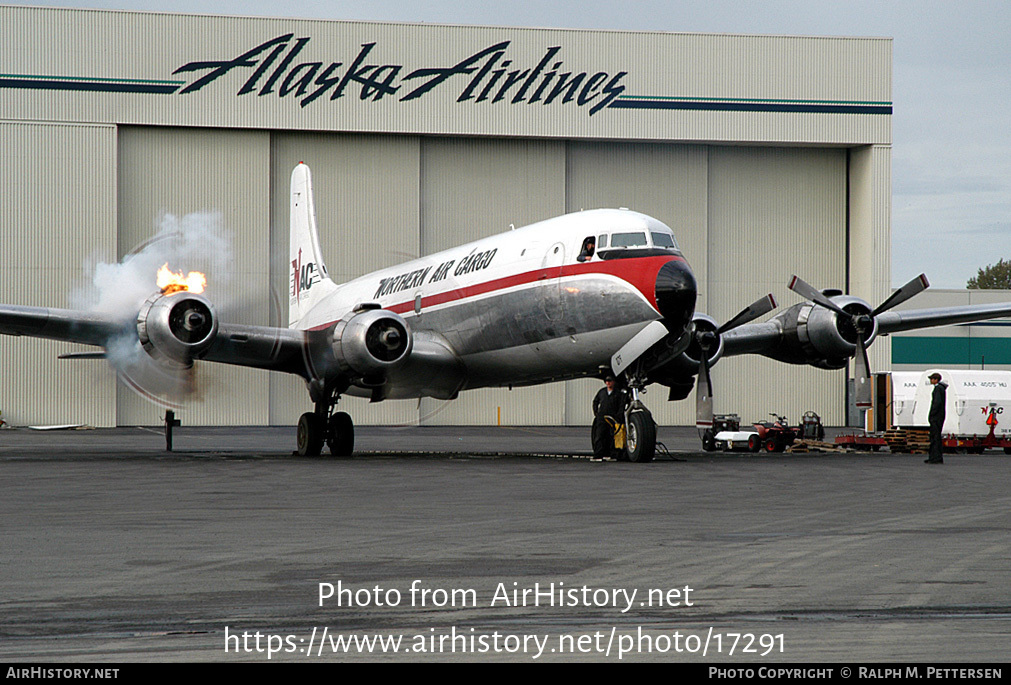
[609,402]
[936,419]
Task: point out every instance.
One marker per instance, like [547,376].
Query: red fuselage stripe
[639,272]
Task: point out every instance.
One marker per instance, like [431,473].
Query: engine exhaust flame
[172,282]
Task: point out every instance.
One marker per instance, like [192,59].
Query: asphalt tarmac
[113,550]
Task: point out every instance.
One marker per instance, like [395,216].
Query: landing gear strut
[640,429]
[324,425]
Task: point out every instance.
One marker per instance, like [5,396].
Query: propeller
[709,339]
[194,241]
[164,383]
[863,324]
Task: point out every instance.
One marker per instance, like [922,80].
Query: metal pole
[170,422]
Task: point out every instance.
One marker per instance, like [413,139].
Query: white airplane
[574,296]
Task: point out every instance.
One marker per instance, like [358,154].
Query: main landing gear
[324,425]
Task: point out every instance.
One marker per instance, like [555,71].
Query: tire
[708,440]
[640,437]
[309,435]
[770,445]
[340,435]
[754,443]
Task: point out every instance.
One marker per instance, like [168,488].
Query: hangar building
[767,155]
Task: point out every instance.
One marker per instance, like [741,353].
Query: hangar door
[774,212]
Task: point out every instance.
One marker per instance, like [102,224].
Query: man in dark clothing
[609,401]
[936,418]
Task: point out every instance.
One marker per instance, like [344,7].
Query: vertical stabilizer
[308,280]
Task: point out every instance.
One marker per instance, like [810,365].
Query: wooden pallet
[896,439]
[804,446]
[918,440]
[909,440]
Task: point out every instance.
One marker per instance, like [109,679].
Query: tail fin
[308,280]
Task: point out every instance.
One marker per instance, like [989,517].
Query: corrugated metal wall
[435,171]
[773,213]
[214,182]
[871,234]
[151,47]
[59,216]
[476,188]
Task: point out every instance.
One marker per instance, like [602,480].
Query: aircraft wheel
[340,435]
[754,443]
[709,440]
[309,435]
[640,441]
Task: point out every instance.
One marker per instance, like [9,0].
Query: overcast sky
[951,127]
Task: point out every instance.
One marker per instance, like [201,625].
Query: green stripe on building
[936,351]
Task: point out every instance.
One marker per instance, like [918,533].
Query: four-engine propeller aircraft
[569,297]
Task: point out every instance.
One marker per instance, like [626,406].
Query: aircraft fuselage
[519,308]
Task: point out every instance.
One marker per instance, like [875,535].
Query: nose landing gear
[640,439]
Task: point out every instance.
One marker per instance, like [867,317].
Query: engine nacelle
[819,337]
[371,342]
[686,365]
[179,327]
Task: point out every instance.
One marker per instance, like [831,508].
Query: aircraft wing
[754,338]
[263,347]
[59,324]
[163,328]
[781,336]
[911,319]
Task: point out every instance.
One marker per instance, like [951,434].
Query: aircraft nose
[675,294]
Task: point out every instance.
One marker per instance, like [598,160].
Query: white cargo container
[970,399]
[904,384]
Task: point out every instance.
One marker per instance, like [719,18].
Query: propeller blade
[862,375]
[808,291]
[762,305]
[914,287]
[704,396]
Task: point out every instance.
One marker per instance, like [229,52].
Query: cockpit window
[628,240]
[663,240]
[602,241]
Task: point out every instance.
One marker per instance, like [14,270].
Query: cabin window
[586,252]
[663,240]
[628,239]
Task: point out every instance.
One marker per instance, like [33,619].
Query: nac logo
[303,276]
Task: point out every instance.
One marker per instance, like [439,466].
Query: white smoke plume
[195,242]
